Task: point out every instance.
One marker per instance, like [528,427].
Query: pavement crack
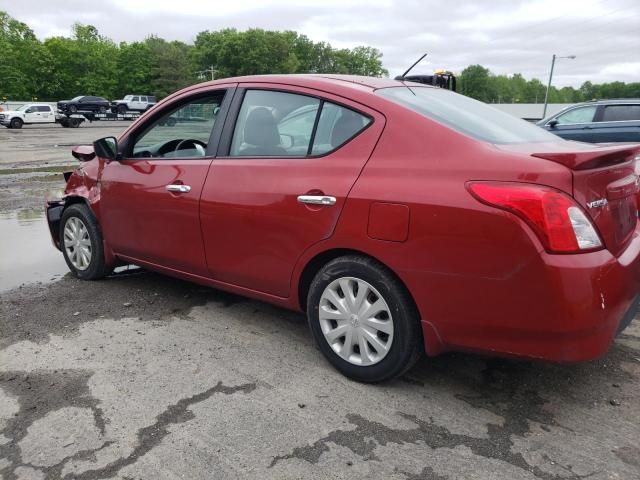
[151,436]
[40,393]
[368,435]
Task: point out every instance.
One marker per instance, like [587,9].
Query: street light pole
[546,95]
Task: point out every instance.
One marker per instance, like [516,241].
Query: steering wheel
[201,147]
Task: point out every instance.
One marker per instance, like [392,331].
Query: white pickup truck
[28,114]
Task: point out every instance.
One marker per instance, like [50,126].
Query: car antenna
[402,77]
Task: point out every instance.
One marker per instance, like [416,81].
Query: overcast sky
[507,36]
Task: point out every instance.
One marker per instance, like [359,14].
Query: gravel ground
[140,376]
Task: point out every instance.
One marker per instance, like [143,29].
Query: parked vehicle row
[71,113]
[88,103]
[402,218]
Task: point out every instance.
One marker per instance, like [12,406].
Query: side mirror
[28,110]
[107,148]
[84,153]
[552,123]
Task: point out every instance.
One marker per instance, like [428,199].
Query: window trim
[224,147]
[214,138]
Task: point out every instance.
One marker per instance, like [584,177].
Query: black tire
[407,343]
[102,109]
[16,123]
[74,122]
[97,267]
[170,122]
[73,109]
[122,109]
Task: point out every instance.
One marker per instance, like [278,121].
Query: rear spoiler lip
[597,158]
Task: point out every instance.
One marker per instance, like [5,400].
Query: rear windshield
[467,116]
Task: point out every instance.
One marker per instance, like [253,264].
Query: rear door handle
[179,188]
[317,199]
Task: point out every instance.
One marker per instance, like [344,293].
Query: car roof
[611,100]
[354,87]
[316,78]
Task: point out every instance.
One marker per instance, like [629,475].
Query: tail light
[560,224]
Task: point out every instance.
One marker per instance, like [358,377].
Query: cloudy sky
[507,36]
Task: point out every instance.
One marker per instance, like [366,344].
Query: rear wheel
[363,319]
[122,109]
[81,243]
[16,123]
[102,109]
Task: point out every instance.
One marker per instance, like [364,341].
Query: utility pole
[202,73]
[546,95]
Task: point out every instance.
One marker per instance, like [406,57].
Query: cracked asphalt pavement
[140,376]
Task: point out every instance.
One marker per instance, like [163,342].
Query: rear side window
[621,113]
[470,117]
[280,124]
[337,125]
[577,115]
[43,108]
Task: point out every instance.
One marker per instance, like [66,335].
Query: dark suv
[597,121]
[86,103]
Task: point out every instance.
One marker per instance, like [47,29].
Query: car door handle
[317,199]
[179,188]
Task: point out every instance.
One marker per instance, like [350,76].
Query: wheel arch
[314,265]
[432,341]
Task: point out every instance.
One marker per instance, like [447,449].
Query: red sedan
[402,218]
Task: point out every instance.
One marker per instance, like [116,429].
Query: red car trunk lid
[605,183]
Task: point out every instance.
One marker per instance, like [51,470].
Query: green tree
[135,66]
[170,66]
[475,83]
[25,65]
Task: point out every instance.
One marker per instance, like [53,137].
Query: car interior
[270,124]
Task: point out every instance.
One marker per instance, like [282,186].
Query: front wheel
[363,319]
[16,123]
[81,243]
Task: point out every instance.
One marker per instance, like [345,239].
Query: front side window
[577,115]
[135,99]
[181,132]
[279,124]
[621,113]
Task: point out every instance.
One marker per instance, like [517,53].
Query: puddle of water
[26,252]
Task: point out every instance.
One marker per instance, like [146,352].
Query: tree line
[88,63]
[478,82]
